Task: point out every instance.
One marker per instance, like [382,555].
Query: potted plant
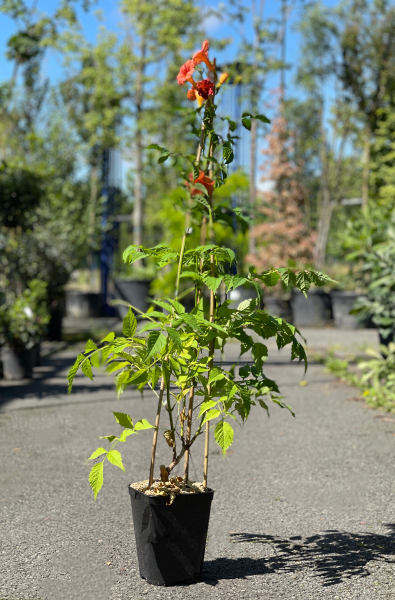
[23,320]
[379,303]
[173,356]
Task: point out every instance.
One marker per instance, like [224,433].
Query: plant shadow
[332,556]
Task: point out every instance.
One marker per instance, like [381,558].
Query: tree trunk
[323,226]
[252,184]
[138,181]
[326,206]
[365,173]
[92,219]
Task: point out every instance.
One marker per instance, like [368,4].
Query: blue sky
[215,27]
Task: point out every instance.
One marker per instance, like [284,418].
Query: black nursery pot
[171,539]
[17,364]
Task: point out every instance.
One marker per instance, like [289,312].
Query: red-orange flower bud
[191,94]
[205,88]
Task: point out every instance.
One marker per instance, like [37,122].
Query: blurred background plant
[377,380]
[78,183]
[24,317]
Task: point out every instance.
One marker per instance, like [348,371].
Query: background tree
[283,236]
[156,32]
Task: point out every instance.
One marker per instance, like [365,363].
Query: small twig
[189,427]
[155,440]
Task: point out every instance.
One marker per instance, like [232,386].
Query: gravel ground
[304,508]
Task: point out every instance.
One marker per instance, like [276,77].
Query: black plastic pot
[55,324]
[134,291]
[313,311]
[342,303]
[37,354]
[171,539]
[17,364]
[276,307]
[83,305]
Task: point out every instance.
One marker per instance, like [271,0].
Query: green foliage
[377,380]
[23,317]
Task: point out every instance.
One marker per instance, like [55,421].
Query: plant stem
[189,427]
[188,213]
[212,309]
[155,440]
[170,411]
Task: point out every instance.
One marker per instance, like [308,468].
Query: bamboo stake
[155,440]
[212,309]
[188,436]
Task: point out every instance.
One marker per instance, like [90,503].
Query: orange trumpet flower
[202,56]
[185,73]
[203,180]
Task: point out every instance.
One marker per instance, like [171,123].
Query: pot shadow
[332,556]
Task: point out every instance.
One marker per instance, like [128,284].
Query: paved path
[304,508]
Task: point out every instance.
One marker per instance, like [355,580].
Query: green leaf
[86,368]
[303,281]
[143,424]
[97,453]
[248,304]
[110,337]
[90,345]
[246,123]
[227,154]
[163,158]
[125,434]
[244,371]
[206,406]
[156,147]
[175,337]
[138,377]
[211,414]
[163,304]
[271,279]
[262,118]
[74,370]
[110,438]
[156,342]
[223,434]
[259,351]
[216,374]
[129,324]
[115,458]
[96,478]
[95,359]
[213,282]
[124,420]
[133,253]
[288,277]
[179,307]
[116,365]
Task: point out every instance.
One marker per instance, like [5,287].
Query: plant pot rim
[180,500]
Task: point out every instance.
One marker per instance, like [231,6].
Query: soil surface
[303,508]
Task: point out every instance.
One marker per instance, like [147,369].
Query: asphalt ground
[303,507]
